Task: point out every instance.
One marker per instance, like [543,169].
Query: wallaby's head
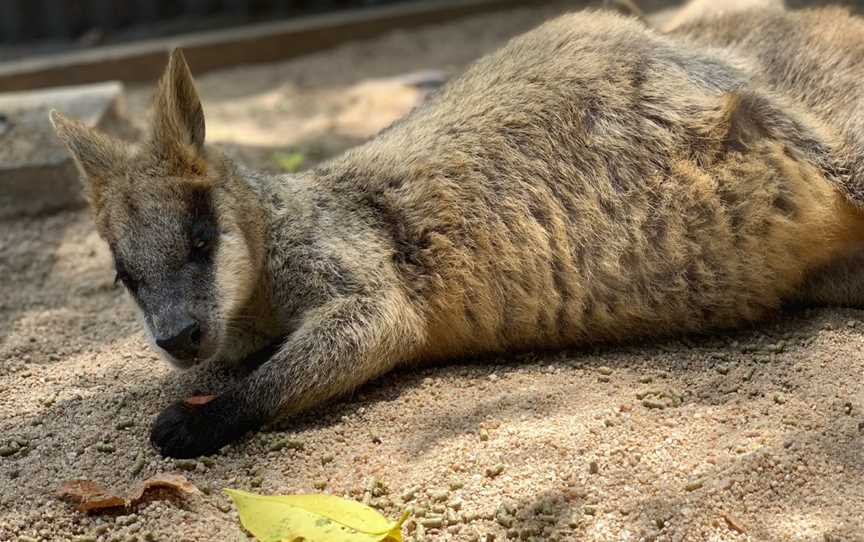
[184,232]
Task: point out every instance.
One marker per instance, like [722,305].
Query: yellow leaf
[313,518]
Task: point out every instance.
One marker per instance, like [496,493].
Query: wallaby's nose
[181,340]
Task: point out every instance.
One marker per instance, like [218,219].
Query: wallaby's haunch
[593,180]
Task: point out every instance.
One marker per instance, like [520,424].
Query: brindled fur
[594,180]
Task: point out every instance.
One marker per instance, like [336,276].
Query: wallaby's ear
[99,157]
[179,118]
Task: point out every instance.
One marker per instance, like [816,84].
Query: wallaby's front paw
[187,429]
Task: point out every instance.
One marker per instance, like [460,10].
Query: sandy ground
[753,435]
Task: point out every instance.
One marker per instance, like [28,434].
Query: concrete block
[36,174]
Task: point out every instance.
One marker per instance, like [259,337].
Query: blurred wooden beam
[248,44]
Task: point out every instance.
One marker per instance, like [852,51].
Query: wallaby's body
[591,181]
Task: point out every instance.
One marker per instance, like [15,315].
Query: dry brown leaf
[89,495]
[177,482]
[198,400]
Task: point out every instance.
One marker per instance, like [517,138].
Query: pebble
[775,348]
[693,486]
[207,461]
[376,487]
[105,448]
[484,435]
[435,522]
[185,464]
[137,466]
[653,404]
[291,444]
[439,495]
[125,424]
[126,520]
[603,370]
[492,472]
[593,468]
[503,518]
[6,451]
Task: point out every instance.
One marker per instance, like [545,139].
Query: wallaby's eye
[203,234]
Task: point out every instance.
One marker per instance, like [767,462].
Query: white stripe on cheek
[234,277]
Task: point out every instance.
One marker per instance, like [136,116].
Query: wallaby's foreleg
[337,348]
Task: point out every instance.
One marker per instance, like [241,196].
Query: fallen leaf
[89,495]
[198,400]
[289,161]
[176,482]
[319,518]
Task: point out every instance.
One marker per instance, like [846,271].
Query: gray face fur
[165,260]
[182,230]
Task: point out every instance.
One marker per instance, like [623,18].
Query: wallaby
[592,181]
